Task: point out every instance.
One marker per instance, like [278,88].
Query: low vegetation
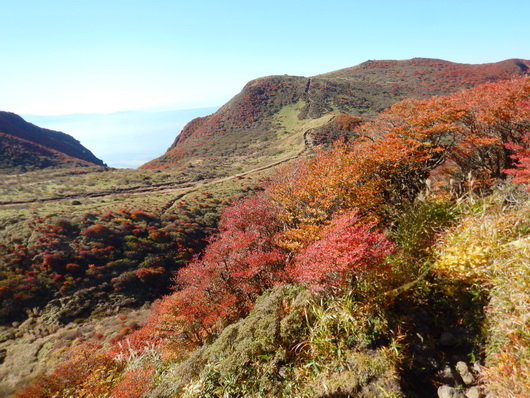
[394,264]
[25,146]
[271,114]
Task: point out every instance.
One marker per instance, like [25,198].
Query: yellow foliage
[492,247]
[465,251]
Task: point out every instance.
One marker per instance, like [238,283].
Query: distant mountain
[276,117]
[26,146]
[125,139]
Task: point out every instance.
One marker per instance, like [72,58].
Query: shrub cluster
[326,222]
[131,252]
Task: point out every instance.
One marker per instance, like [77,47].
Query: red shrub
[97,231]
[134,383]
[236,267]
[347,248]
[522,157]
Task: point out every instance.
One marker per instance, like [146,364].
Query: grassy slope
[244,133]
[36,345]
[490,248]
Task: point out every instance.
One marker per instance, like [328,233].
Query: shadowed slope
[27,145]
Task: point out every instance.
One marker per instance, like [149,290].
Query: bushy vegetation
[424,77]
[252,128]
[365,270]
[490,248]
[132,252]
[17,154]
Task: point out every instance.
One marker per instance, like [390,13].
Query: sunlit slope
[273,117]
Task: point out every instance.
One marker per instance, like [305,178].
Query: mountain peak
[273,117]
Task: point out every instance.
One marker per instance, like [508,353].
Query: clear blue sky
[68,56]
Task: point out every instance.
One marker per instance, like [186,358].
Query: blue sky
[65,56]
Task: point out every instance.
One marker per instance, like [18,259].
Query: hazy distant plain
[123,139]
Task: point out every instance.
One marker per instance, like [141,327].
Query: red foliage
[347,248]
[235,269]
[87,373]
[54,261]
[73,268]
[149,274]
[347,122]
[97,231]
[522,157]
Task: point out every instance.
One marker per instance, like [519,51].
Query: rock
[450,392]
[426,361]
[448,339]
[449,376]
[465,373]
[473,392]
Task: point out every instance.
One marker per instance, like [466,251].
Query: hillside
[373,268]
[25,146]
[121,137]
[276,117]
[394,265]
[391,265]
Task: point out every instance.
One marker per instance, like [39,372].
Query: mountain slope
[25,145]
[275,117]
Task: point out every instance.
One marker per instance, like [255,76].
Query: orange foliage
[317,219]
[134,383]
[371,175]
[522,157]
[470,128]
[87,373]
[456,137]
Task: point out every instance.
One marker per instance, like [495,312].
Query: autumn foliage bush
[469,129]
[521,171]
[87,372]
[347,250]
[321,222]
[132,252]
[237,266]
[316,222]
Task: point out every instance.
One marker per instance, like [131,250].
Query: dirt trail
[185,188]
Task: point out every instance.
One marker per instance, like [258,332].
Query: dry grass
[491,247]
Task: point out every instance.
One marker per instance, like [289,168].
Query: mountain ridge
[27,145]
[269,112]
